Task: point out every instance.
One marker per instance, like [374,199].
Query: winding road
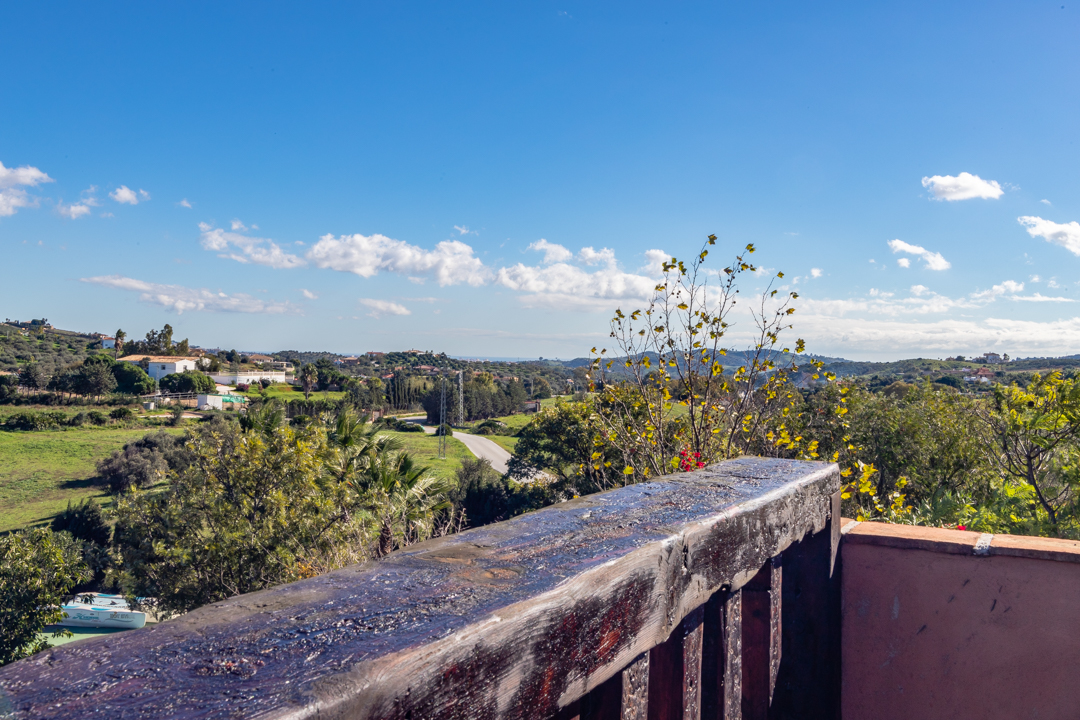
[478,445]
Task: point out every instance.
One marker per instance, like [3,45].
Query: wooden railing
[702,595]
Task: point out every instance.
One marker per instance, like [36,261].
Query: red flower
[961,527]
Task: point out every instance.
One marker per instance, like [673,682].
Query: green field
[41,471]
[425,449]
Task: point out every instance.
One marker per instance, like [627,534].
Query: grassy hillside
[41,471]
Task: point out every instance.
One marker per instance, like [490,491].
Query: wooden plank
[761,640]
[721,657]
[516,619]
[810,668]
[675,672]
[635,689]
[692,635]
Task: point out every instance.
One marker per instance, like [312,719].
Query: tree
[95,379]
[33,377]
[252,510]
[189,381]
[84,521]
[309,375]
[480,492]
[38,568]
[671,354]
[541,389]
[404,498]
[132,379]
[118,344]
[565,443]
[1036,429]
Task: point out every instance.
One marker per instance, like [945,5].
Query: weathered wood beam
[517,619]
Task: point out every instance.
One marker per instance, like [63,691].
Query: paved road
[478,445]
[481,447]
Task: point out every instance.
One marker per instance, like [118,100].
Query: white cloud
[464,230]
[73,211]
[888,338]
[181,299]
[570,287]
[654,261]
[874,292]
[12,196]
[1037,297]
[553,252]
[143,195]
[451,262]
[308,294]
[185,203]
[247,249]
[815,272]
[384,307]
[1065,234]
[604,256]
[238,226]
[1009,287]
[964,186]
[1045,202]
[125,195]
[903,262]
[83,207]
[1035,278]
[933,260]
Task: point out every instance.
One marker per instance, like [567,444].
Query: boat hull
[89,616]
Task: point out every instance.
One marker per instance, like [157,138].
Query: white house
[108,342]
[162,365]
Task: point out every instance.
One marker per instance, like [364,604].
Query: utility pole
[442,421]
[460,399]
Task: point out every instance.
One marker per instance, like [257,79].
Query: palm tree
[403,498]
[309,375]
[118,343]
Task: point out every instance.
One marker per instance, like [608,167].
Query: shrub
[78,419]
[265,382]
[481,492]
[28,421]
[243,387]
[444,429]
[97,417]
[122,414]
[144,462]
[84,521]
[409,427]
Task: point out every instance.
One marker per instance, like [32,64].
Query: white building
[220,402]
[107,342]
[248,378]
[162,365]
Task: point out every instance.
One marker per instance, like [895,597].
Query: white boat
[100,610]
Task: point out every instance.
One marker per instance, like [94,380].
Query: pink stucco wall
[931,630]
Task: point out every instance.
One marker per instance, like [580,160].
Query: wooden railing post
[761,640]
[808,685]
[675,672]
[721,669]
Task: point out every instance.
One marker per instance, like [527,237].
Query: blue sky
[490,178]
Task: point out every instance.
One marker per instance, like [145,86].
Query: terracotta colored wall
[930,630]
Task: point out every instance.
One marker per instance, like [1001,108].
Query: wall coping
[958,542]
